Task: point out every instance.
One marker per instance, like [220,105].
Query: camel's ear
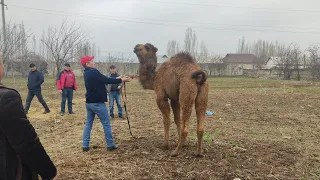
[154,49]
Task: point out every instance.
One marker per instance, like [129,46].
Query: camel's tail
[200,76]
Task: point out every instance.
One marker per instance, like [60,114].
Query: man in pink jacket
[66,83]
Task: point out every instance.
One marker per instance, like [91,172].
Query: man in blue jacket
[35,79]
[96,96]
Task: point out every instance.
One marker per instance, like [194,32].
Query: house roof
[240,58]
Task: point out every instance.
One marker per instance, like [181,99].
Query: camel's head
[145,51]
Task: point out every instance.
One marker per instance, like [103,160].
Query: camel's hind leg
[186,98]
[164,107]
[201,106]
[176,113]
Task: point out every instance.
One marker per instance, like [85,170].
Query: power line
[225,6]
[161,24]
[184,22]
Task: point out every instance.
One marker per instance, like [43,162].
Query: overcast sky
[118,25]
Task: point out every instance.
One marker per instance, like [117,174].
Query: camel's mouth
[136,50]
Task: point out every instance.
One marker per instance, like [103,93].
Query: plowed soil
[261,129]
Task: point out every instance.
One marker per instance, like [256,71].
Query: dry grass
[262,129]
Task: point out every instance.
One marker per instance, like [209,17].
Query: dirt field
[262,129]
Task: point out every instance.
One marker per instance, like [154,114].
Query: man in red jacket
[66,83]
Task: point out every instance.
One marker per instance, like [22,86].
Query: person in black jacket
[22,155]
[114,93]
[35,79]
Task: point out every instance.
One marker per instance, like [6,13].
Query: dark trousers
[67,93]
[37,93]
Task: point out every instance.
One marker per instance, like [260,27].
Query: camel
[181,80]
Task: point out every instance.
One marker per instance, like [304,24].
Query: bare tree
[172,48]
[21,63]
[16,44]
[16,39]
[81,49]
[128,67]
[241,45]
[314,61]
[261,49]
[34,44]
[177,48]
[203,56]
[190,42]
[62,42]
[94,50]
[290,59]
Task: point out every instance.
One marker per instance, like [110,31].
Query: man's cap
[67,64]
[85,59]
[32,65]
[112,66]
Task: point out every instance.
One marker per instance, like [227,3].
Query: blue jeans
[67,93]
[99,109]
[115,95]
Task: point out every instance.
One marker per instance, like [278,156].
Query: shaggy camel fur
[181,80]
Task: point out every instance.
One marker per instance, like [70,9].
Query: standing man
[114,92]
[35,79]
[96,96]
[22,154]
[66,83]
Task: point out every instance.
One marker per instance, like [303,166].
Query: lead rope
[125,107]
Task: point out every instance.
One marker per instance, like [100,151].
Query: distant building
[272,63]
[162,58]
[236,63]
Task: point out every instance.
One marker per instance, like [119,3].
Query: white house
[272,63]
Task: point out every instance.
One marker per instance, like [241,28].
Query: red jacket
[66,79]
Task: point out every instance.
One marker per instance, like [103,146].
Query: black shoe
[72,113]
[46,112]
[121,117]
[62,114]
[85,149]
[112,148]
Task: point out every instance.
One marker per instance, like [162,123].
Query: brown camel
[181,80]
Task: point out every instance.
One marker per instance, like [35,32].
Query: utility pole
[304,61]
[3,26]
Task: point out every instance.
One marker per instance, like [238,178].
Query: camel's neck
[147,73]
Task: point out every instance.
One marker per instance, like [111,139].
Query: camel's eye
[147,48]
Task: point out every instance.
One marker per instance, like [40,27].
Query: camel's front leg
[164,107]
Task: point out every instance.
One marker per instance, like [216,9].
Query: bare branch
[63,42]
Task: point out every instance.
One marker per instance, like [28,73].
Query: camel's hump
[183,57]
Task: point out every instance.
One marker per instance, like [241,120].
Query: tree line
[288,57]
[66,42]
